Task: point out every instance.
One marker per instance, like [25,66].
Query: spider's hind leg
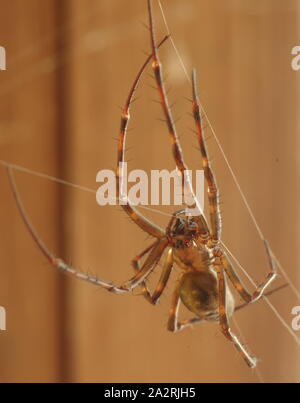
[154,255]
[240,287]
[224,322]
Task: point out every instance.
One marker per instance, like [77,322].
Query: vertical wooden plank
[29,108]
[263,130]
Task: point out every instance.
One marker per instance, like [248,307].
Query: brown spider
[187,241]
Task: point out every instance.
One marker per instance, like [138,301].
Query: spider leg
[224,322]
[136,267]
[164,278]
[149,265]
[59,264]
[189,323]
[213,192]
[240,287]
[185,324]
[187,189]
[173,314]
[267,294]
[133,213]
[124,288]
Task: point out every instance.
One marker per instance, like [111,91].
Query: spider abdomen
[199,293]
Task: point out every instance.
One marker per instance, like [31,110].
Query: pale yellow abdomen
[199,293]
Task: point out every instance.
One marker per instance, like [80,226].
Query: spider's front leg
[186,185]
[213,191]
[138,218]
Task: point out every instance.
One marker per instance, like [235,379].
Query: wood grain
[70,67]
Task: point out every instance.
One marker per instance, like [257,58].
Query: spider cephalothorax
[182,230]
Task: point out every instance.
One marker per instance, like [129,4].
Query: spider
[188,242]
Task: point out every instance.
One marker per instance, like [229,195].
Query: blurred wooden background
[70,66]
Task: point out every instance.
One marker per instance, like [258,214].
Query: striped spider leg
[157,249]
[202,284]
